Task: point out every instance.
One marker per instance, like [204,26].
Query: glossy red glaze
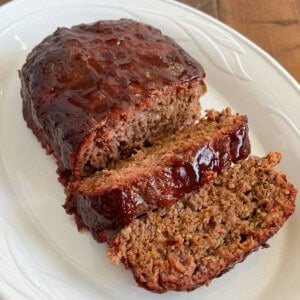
[92,73]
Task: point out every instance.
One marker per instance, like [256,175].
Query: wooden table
[272,24]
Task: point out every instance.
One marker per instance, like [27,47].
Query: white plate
[41,254]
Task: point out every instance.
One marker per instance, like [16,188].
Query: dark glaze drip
[179,177]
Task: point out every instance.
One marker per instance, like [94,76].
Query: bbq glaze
[91,74]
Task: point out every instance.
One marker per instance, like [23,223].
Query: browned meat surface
[93,93]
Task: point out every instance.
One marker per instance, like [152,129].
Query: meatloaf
[203,235]
[92,93]
[159,175]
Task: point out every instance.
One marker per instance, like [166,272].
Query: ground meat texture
[93,93]
[203,235]
[159,175]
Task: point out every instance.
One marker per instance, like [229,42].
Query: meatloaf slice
[159,175]
[203,235]
[93,93]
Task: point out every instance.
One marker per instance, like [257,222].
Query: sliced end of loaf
[185,145]
[159,175]
[203,235]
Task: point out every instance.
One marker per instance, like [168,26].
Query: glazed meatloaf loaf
[159,175]
[203,235]
[93,93]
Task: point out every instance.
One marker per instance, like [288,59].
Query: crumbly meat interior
[209,230]
[167,114]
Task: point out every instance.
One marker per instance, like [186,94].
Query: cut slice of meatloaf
[159,175]
[93,93]
[203,235]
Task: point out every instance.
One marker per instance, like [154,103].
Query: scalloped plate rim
[270,60]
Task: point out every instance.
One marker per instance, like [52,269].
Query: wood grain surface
[274,25]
